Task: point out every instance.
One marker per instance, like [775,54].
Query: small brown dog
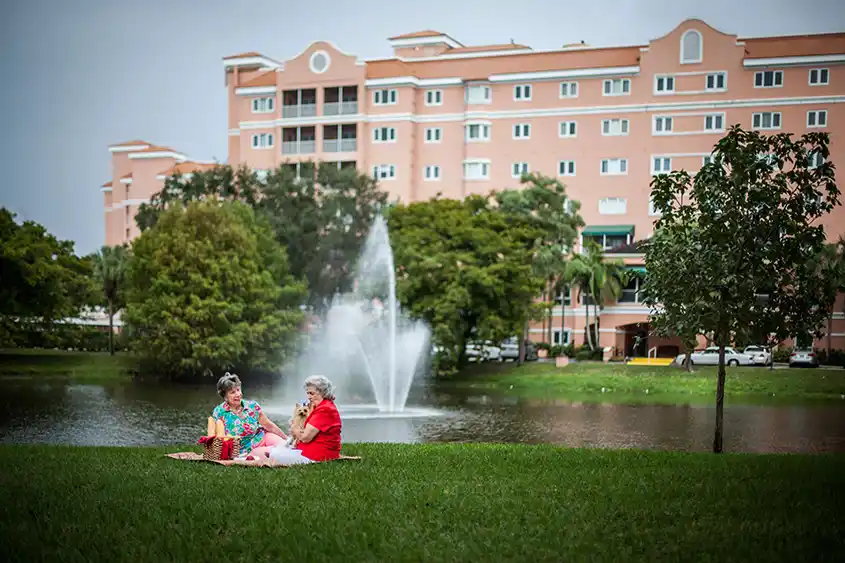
[300,413]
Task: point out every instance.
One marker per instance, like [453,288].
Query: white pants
[288,456]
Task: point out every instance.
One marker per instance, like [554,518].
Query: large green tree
[466,268]
[756,207]
[208,288]
[110,264]
[543,203]
[44,281]
[320,215]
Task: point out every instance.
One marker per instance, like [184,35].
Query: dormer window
[691,47]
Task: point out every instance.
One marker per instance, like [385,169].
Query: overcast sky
[78,75]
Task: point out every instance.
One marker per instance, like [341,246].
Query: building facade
[443,118]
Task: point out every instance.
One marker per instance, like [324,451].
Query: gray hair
[227,383]
[323,386]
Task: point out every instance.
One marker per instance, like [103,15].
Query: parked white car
[483,352]
[760,355]
[710,357]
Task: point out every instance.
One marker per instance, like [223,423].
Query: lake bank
[657,385]
[73,365]
[414,502]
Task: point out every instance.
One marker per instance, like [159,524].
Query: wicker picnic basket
[212,449]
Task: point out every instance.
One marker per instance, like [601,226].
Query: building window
[476,132]
[384,135]
[384,172]
[661,165]
[522,92]
[613,206]
[768,79]
[631,292]
[614,127]
[263,105]
[564,297]
[262,141]
[652,210]
[766,120]
[664,84]
[556,337]
[691,47]
[567,129]
[716,81]
[706,160]
[432,172]
[566,168]
[384,97]
[607,242]
[610,166]
[617,87]
[476,170]
[522,131]
[518,169]
[662,124]
[816,159]
[714,122]
[434,97]
[817,118]
[478,95]
[819,77]
[433,134]
[568,89]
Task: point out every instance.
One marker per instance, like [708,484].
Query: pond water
[138,414]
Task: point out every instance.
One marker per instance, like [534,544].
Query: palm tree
[109,270]
[599,280]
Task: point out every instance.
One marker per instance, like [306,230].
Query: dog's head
[301,411]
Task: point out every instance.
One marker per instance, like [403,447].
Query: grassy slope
[664,384]
[422,502]
[59,363]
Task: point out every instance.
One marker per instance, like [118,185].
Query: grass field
[651,384]
[422,503]
[59,363]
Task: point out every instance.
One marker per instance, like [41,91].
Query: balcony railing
[340,108]
[299,147]
[301,110]
[340,145]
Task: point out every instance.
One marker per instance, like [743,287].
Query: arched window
[691,47]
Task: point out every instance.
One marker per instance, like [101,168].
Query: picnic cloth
[267,462]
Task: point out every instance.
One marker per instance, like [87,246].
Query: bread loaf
[219,429]
[211,427]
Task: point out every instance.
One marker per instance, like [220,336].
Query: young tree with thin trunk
[755,209]
[110,272]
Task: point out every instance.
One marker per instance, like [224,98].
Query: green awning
[638,269]
[597,230]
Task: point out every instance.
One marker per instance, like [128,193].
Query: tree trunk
[587,323]
[111,328]
[829,329]
[551,310]
[688,361]
[562,317]
[596,336]
[720,402]
[521,359]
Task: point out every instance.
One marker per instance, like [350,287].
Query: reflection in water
[148,414]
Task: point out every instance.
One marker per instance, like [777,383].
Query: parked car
[803,357]
[510,350]
[710,357]
[483,352]
[760,355]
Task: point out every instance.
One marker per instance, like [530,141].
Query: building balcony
[340,145]
[299,110]
[299,147]
[340,108]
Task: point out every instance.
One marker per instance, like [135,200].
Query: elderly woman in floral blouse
[245,418]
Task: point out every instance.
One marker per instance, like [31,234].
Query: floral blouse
[245,425]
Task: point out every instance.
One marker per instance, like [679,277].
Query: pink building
[441,117]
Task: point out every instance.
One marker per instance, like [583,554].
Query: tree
[598,280]
[755,207]
[109,273]
[208,288]
[44,281]
[465,267]
[543,203]
[321,216]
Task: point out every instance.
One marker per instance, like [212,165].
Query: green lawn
[59,363]
[422,503]
[651,384]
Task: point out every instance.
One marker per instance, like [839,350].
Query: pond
[141,414]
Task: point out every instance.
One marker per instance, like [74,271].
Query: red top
[326,444]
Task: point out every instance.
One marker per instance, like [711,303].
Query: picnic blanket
[267,462]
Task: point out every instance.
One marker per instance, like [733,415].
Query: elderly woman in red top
[319,440]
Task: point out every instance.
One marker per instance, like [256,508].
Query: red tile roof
[795,45]
[417,34]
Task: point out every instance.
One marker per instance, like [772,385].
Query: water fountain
[366,345]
